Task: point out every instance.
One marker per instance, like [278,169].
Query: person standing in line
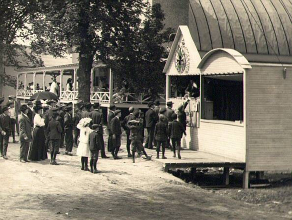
[76,119]
[1,100]
[97,118]
[83,149]
[176,130]
[12,114]
[5,127]
[60,118]
[116,131]
[24,133]
[161,135]
[54,130]
[68,130]
[126,128]
[168,114]
[110,116]
[30,113]
[94,146]
[86,108]
[157,107]
[181,114]
[151,120]
[38,147]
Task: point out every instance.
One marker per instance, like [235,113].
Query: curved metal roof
[248,26]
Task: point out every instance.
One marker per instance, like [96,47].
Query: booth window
[181,85]
[223,98]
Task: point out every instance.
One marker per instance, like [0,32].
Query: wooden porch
[198,159]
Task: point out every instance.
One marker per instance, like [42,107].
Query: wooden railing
[69,95]
[103,97]
[140,98]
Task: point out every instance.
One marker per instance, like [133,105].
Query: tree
[14,15]
[140,60]
[94,27]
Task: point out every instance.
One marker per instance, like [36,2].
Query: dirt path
[122,190]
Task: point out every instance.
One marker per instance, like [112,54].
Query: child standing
[83,147]
[54,131]
[160,134]
[94,146]
[176,130]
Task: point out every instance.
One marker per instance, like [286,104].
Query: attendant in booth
[192,90]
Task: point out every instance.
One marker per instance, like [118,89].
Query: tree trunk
[1,68]
[85,65]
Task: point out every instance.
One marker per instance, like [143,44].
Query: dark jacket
[97,118]
[151,118]
[85,114]
[110,116]
[5,123]
[68,121]
[169,112]
[54,129]
[94,144]
[176,129]
[116,126]
[136,129]
[125,122]
[24,128]
[30,115]
[160,132]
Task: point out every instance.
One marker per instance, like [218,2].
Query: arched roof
[248,26]
[238,57]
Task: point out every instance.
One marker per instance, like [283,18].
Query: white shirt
[53,88]
[38,121]
[12,113]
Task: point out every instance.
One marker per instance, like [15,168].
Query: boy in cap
[25,133]
[54,131]
[127,129]
[116,130]
[97,118]
[176,130]
[94,146]
[5,126]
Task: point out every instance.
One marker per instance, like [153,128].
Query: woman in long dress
[83,147]
[38,150]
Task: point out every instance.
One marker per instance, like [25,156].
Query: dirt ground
[123,190]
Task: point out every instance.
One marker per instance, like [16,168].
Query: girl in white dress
[83,147]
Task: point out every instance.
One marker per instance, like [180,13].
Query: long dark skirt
[38,149]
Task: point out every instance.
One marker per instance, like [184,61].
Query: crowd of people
[48,126]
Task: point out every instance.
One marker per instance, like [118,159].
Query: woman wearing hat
[38,150]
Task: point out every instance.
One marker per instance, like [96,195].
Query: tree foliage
[112,31]
[14,16]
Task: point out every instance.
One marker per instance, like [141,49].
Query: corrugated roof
[248,26]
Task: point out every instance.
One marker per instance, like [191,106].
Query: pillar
[226,176]
[61,81]
[25,81]
[44,78]
[245,179]
[168,85]
[33,81]
[111,84]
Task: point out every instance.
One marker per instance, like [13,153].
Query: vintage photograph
[146,109]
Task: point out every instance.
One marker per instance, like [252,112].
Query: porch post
[25,81]
[245,179]
[74,82]
[167,92]
[17,84]
[33,80]
[111,84]
[226,176]
[91,79]
[44,76]
[61,80]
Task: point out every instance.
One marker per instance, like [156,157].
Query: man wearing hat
[97,118]
[110,116]
[14,111]
[116,131]
[168,114]
[128,118]
[5,126]
[151,120]
[68,129]
[30,113]
[24,133]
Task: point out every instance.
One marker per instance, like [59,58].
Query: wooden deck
[195,159]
